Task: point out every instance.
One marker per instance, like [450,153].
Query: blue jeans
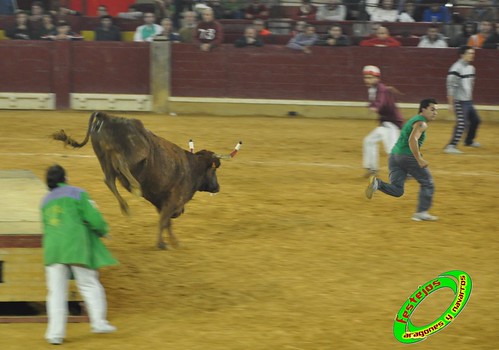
[400,165]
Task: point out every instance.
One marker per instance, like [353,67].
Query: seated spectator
[233,9]
[250,38]
[188,29]
[436,13]
[132,13]
[102,11]
[216,6]
[482,11]
[7,7]
[332,11]
[356,10]
[433,38]
[384,12]
[168,34]
[63,33]
[485,31]
[106,31]
[334,37]
[62,13]
[48,27]
[299,28]
[492,42]
[164,9]
[303,41]
[468,29]
[371,5]
[260,27]
[20,31]
[35,19]
[209,33]
[382,39]
[256,10]
[149,29]
[305,12]
[408,12]
[160,8]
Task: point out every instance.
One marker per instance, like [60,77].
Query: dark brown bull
[149,166]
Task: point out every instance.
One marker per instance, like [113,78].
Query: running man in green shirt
[406,159]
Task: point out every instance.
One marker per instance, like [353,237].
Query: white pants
[388,133]
[90,288]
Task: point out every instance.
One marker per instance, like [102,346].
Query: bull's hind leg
[135,187]
[111,184]
[110,181]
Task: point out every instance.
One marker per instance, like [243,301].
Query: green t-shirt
[72,227]
[402,145]
[148,31]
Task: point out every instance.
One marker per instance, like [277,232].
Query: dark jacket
[343,40]
[18,34]
[113,34]
[242,42]
[492,42]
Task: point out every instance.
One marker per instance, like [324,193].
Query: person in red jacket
[209,33]
[382,39]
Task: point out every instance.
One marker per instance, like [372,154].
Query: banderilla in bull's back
[149,166]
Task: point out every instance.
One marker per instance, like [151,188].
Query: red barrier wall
[66,67]
[275,72]
[271,72]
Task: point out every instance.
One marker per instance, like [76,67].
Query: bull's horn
[191,146]
[231,154]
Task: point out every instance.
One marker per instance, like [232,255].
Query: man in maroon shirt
[382,102]
[209,33]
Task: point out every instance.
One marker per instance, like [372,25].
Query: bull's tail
[68,140]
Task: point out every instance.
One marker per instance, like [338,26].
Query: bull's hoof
[162,245]
[125,210]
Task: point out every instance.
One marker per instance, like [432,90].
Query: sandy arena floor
[290,255]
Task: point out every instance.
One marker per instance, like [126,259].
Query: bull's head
[209,182]
[209,164]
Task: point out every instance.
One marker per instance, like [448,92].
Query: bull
[149,166]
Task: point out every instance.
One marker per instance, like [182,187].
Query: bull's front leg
[165,223]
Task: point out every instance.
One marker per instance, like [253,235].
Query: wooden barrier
[22,276]
[328,73]
[116,69]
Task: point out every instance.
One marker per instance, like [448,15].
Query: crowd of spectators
[198,22]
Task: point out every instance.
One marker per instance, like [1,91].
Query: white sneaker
[474,144]
[372,187]
[106,328]
[55,341]
[451,149]
[424,216]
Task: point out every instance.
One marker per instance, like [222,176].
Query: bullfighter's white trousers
[388,133]
[87,280]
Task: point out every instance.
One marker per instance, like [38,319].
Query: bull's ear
[213,165]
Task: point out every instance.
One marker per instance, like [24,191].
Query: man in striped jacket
[460,81]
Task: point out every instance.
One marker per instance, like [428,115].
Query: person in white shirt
[333,11]
[149,29]
[384,13]
[433,38]
[407,13]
